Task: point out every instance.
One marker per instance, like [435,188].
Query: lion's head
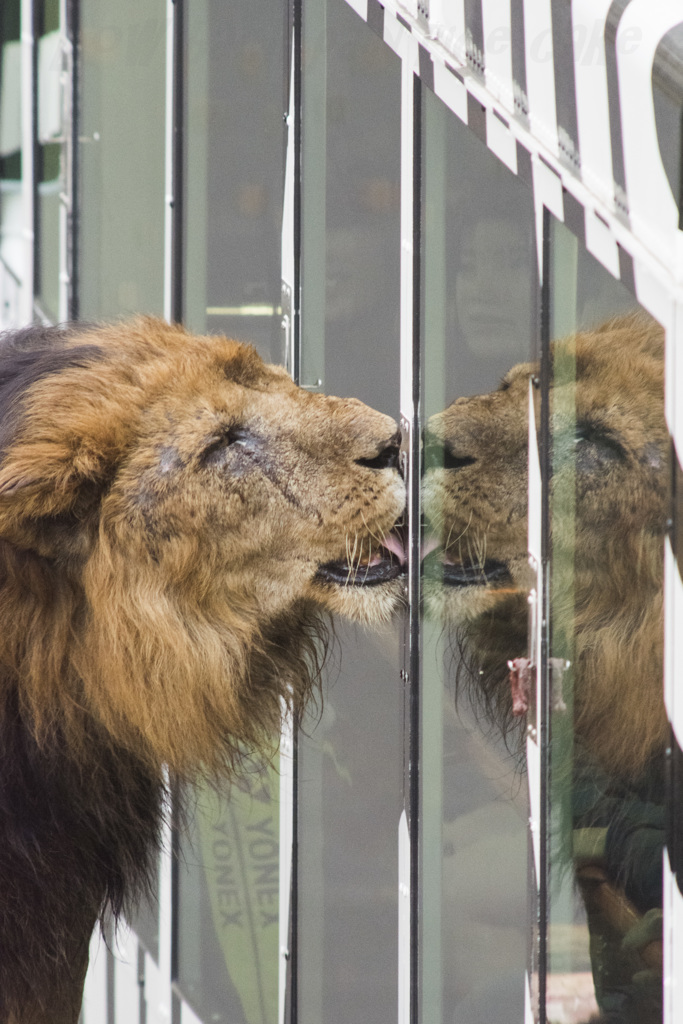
[609,498]
[174,515]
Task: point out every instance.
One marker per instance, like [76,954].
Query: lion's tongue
[393,544]
[429,544]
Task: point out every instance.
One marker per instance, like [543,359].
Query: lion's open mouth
[385,564]
[436,565]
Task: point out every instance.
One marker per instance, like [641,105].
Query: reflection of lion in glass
[174,517]
[609,511]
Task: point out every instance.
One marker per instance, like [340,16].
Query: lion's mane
[105,675]
[610,605]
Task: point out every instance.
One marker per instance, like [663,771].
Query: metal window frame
[543,914]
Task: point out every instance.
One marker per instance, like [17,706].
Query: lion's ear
[52,432]
[51,471]
[12,482]
[43,483]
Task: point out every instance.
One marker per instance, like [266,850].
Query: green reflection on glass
[240,852]
[229,902]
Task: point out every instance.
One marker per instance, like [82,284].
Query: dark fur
[76,839]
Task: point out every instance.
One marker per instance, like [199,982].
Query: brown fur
[166,501]
[613,618]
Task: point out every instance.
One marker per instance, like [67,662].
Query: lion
[610,508]
[177,519]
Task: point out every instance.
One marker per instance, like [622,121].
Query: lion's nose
[386,457]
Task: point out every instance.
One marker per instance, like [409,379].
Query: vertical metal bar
[37,162]
[68,296]
[287,958]
[292,999]
[415,541]
[73,27]
[297,27]
[408,828]
[313,149]
[176,825]
[435,282]
[111,979]
[178,162]
[28,184]
[287,847]
[169,863]
[158,976]
[168,162]
[544,709]
[174,162]
[292,993]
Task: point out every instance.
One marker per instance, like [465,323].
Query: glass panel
[234,170]
[229,900]
[234,79]
[609,505]
[350,756]
[478,322]
[121,154]
[350,169]
[50,185]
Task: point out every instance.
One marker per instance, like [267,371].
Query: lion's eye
[233,437]
[239,436]
[595,448]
